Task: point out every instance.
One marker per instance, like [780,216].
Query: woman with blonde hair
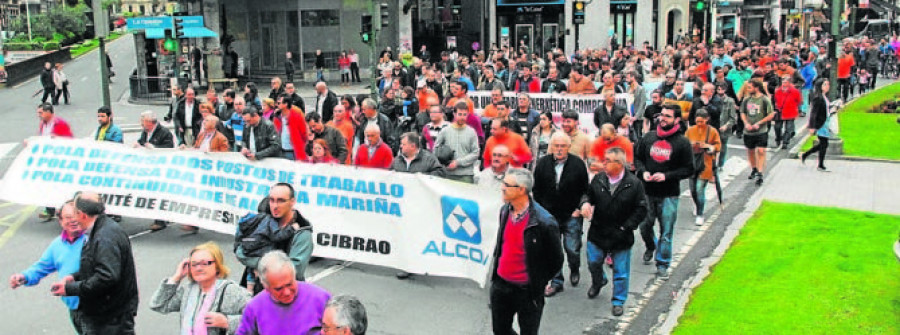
[269,109]
[208,303]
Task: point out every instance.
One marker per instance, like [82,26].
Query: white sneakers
[698,221]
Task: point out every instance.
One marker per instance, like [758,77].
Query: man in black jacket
[105,284]
[289,67]
[47,83]
[187,118]
[617,198]
[294,98]
[560,179]
[337,144]
[325,101]
[371,114]
[154,135]
[663,158]
[527,255]
[609,112]
[260,139]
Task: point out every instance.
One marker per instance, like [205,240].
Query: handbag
[699,162]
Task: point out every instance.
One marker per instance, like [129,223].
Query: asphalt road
[419,305]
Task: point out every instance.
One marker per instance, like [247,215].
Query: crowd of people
[552,174]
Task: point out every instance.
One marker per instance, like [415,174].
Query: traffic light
[179,27]
[365,33]
[700,5]
[385,14]
[170,45]
[578,12]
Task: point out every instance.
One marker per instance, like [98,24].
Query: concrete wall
[30,68]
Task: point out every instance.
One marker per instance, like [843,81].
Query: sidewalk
[857,185]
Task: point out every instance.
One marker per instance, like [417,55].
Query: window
[320,18]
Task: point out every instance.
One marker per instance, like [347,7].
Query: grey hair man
[517,282]
[287,306]
[344,315]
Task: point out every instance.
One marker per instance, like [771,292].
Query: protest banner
[557,103]
[417,223]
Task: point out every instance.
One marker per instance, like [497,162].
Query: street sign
[150,22]
[191,21]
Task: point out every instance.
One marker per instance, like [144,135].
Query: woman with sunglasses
[208,303]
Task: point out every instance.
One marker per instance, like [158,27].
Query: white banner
[417,223]
[557,103]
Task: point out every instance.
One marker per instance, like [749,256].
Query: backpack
[246,226]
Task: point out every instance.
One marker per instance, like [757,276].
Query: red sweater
[788,101]
[382,158]
[298,131]
[511,265]
[60,128]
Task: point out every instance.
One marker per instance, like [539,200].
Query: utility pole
[101,30]
[836,6]
[28,18]
[376,34]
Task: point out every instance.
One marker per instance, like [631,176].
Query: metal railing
[153,90]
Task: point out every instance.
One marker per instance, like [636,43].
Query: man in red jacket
[787,103]
[51,126]
[374,153]
[291,125]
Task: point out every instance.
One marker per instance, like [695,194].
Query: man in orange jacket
[519,152]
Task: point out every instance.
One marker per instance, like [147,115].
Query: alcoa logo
[461,219]
[461,223]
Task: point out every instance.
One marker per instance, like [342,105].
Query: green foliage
[50,46]
[63,20]
[798,269]
[18,46]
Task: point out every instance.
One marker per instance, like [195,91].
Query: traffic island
[869,127]
[802,269]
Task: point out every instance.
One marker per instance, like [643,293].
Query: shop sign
[623,7]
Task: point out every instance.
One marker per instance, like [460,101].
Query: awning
[155,33]
[195,32]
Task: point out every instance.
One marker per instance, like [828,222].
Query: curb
[670,319]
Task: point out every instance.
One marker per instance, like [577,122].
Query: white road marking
[327,272]
[148,231]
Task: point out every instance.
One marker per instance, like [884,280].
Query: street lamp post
[836,6]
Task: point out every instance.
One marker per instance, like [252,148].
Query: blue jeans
[666,210]
[621,270]
[571,233]
[320,75]
[698,192]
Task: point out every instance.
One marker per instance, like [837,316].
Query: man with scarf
[663,158]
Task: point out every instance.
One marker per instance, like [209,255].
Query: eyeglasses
[202,263]
[510,186]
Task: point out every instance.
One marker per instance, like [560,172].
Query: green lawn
[797,269]
[870,135]
[92,44]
